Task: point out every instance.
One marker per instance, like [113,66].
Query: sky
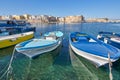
[61,8]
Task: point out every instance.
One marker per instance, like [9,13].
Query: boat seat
[50,37]
[83,39]
[74,39]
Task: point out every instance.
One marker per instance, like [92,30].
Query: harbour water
[62,63]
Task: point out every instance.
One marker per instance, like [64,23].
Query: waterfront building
[7,17]
[27,16]
[18,17]
[61,19]
[0,17]
[114,20]
[52,19]
[97,20]
[74,19]
[32,17]
[39,19]
[44,18]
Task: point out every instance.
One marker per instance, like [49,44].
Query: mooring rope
[110,68]
[4,68]
[9,69]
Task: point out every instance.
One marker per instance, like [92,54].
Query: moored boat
[35,47]
[110,38]
[6,41]
[16,30]
[12,23]
[92,49]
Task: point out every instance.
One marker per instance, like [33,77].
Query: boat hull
[97,60]
[108,37]
[108,41]
[113,43]
[37,51]
[6,42]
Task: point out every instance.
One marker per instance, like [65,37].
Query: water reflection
[62,63]
[25,68]
[76,64]
[87,70]
[6,51]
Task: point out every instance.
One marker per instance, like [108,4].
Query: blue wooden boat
[12,23]
[15,30]
[4,34]
[93,49]
[35,47]
[110,38]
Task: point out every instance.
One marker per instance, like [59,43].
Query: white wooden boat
[92,49]
[35,47]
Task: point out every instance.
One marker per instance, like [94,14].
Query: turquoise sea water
[62,63]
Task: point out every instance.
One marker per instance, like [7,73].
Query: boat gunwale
[27,48]
[16,36]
